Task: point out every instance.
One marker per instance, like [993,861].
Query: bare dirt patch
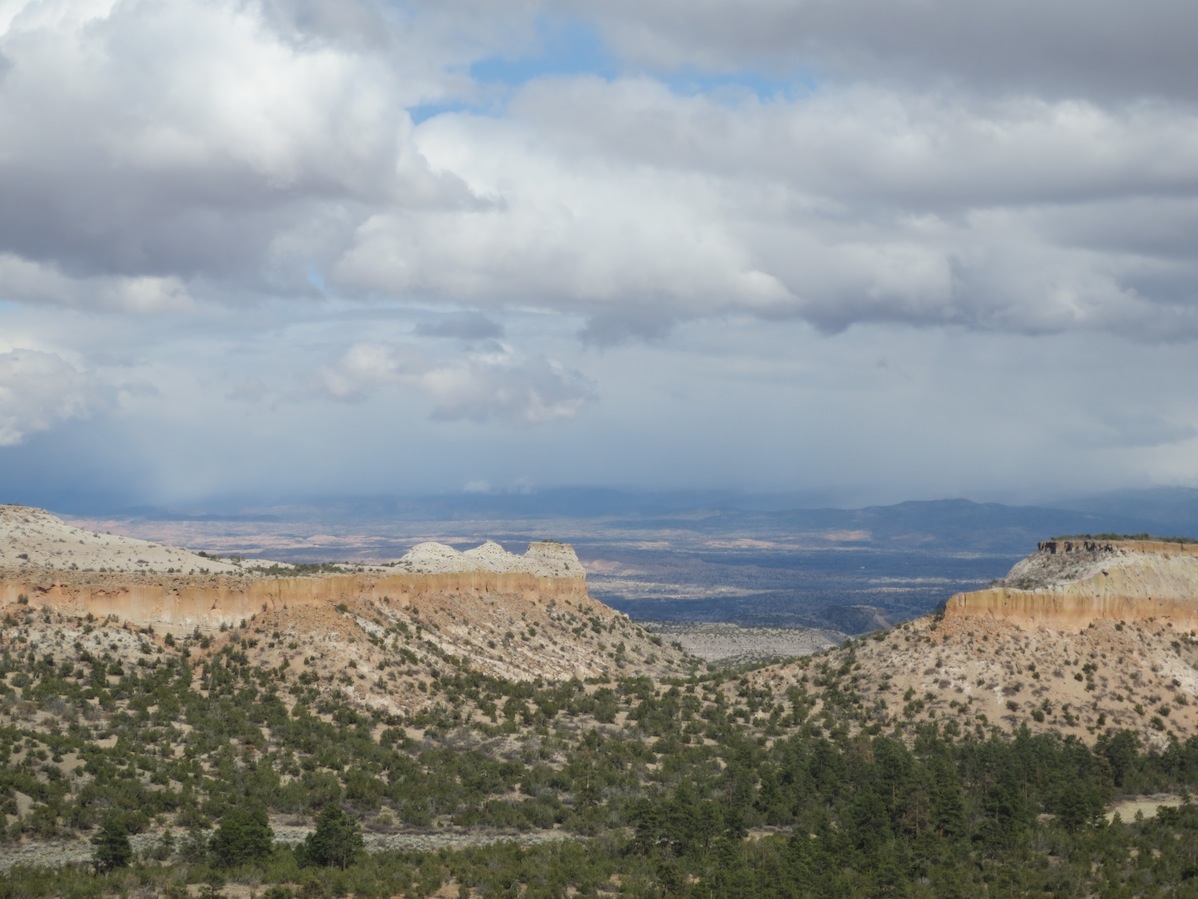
[1147,806]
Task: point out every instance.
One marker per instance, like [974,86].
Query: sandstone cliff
[182,604]
[1075,582]
[77,572]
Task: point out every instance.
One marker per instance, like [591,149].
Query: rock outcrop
[1075,582]
[547,558]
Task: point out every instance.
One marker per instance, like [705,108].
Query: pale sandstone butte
[1068,583]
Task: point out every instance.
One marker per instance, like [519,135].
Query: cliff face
[1072,583]
[182,604]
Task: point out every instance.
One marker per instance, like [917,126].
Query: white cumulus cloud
[39,390]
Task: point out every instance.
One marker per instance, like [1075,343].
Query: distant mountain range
[956,524]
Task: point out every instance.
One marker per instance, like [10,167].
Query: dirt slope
[33,540]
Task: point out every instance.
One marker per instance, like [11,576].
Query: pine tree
[244,834]
[112,849]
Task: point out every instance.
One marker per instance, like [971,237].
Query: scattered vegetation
[713,783]
[1118,537]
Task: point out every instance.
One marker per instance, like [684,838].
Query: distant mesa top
[34,539]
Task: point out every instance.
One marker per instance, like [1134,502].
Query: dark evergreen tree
[112,849]
[1121,749]
[334,843]
[244,834]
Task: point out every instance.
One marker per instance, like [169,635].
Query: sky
[863,250]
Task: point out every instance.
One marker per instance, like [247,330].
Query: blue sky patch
[567,46]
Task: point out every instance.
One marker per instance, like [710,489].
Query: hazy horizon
[591,501]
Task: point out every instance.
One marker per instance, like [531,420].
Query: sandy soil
[1127,809]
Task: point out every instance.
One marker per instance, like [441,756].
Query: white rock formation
[544,559]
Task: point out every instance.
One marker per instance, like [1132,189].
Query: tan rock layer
[179,605]
[1063,609]
[1124,581]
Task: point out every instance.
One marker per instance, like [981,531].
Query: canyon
[1082,635]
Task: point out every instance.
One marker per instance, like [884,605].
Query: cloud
[481,387]
[365,367]
[413,210]
[1067,48]
[527,393]
[163,158]
[463,326]
[635,208]
[39,390]
[196,143]
[25,281]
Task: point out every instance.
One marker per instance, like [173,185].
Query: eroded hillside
[883,767]
[1077,639]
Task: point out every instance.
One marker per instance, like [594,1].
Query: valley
[768,571]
